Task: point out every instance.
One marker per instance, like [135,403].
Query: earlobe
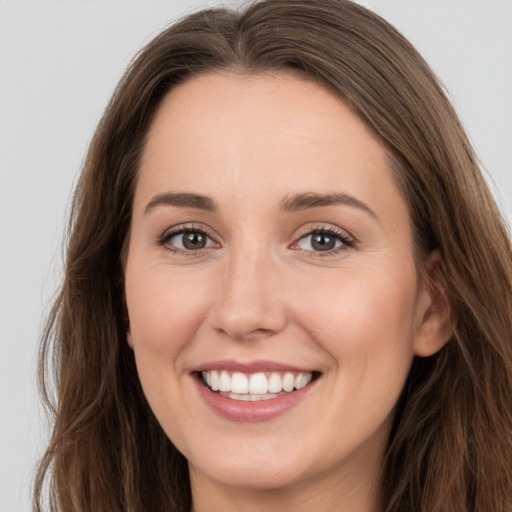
[127,329]
[436,314]
[126,324]
[129,338]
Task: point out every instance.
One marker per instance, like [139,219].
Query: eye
[324,241]
[187,240]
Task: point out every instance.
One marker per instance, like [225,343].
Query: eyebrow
[295,203]
[309,200]
[182,200]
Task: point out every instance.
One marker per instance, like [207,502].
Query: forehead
[245,109]
[268,134]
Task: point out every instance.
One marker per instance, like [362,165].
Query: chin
[266,475]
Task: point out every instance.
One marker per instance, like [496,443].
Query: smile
[254,392]
[255,386]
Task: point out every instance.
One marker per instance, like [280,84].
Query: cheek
[363,319]
[165,308]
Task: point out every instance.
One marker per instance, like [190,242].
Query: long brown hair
[451,445]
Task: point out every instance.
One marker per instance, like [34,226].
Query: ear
[436,317]
[126,322]
[129,338]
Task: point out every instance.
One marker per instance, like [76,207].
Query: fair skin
[251,273]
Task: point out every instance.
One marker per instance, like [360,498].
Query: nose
[250,302]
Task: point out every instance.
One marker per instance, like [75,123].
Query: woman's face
[271,249]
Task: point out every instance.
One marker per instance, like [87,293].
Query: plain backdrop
[59,62]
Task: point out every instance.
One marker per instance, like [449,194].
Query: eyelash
[164,240]
[346,241]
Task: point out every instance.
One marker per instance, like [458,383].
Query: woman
[287,284]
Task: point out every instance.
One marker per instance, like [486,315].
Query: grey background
[59,62]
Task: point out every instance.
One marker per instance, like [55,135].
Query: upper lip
[250,366]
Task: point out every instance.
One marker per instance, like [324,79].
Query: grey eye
[191,240]
[320,241]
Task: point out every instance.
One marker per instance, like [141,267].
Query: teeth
[275,383]
[215,381]
[239,383]
[256,386]
[288,382]
[224,382]
[302,380]
[251,398]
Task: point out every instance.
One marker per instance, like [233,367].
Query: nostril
[238,333]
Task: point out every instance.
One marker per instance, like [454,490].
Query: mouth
[252,387]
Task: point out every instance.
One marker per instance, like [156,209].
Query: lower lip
[251,412]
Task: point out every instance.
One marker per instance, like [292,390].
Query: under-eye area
[255,386]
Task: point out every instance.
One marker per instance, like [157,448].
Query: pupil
[323,242]
[193,240]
